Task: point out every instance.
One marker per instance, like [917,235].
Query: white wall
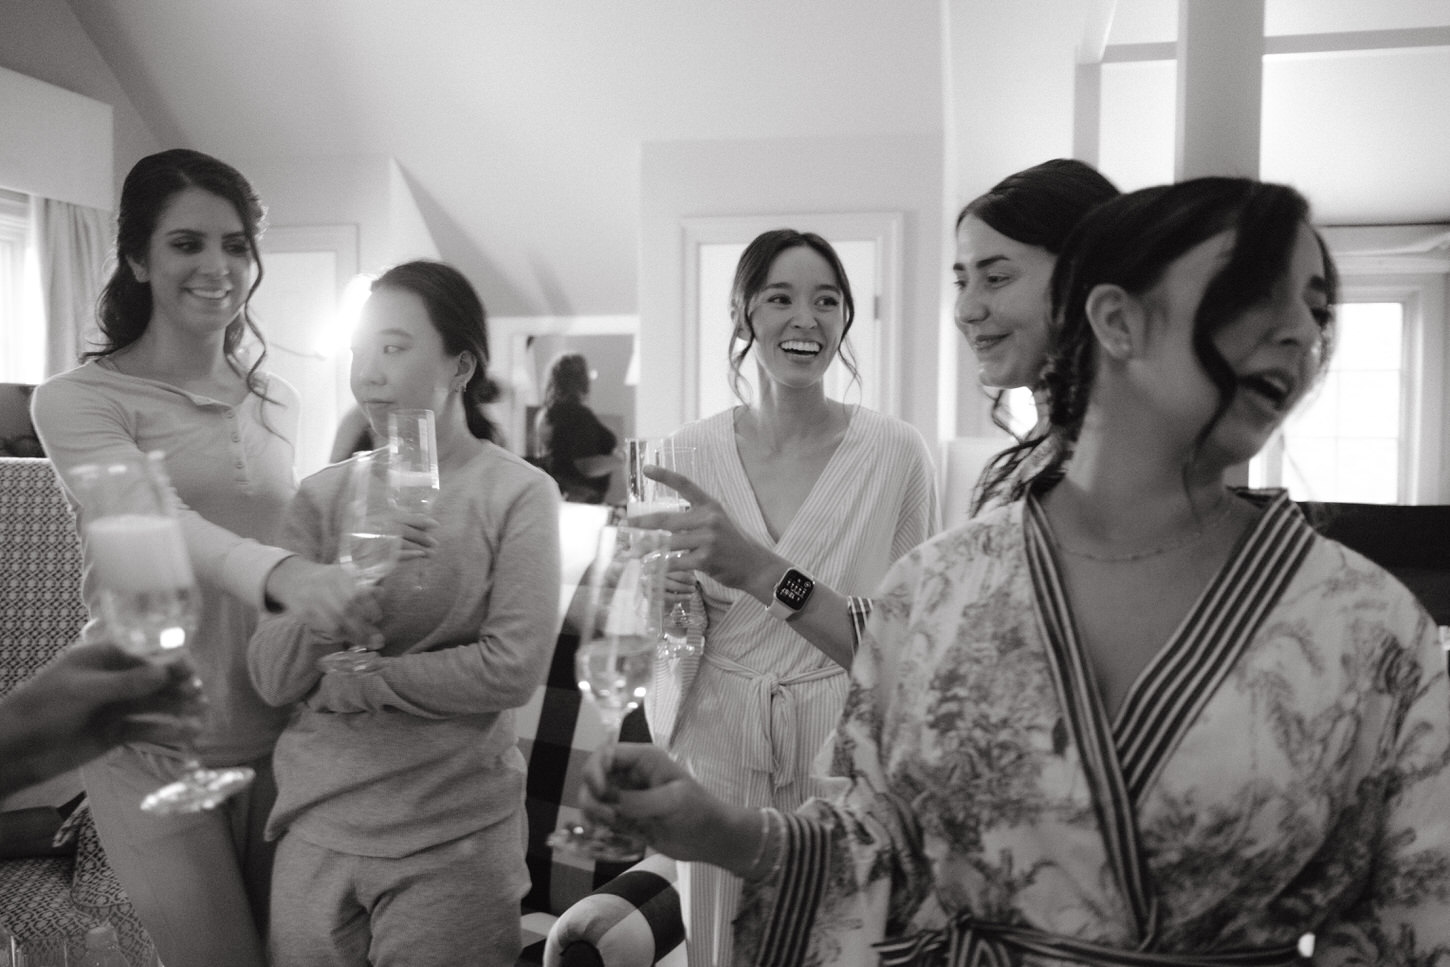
[56,144]
[42,39]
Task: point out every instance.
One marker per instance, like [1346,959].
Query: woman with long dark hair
[1138,717]
[572,444]
[173,375]
[400,806]
[1008,240]
[801,501]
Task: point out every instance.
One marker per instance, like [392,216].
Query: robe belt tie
[971,943]
[772,703]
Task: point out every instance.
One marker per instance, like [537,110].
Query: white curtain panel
[74,242]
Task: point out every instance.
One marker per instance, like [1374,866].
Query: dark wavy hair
[751,273]
[125,304]
[568,379]
[456,311]
[1037,206]
[1132,241]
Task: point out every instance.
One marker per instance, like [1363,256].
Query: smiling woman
[800,501]
[172,376]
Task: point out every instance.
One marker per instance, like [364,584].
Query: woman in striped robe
[1138,717]
[795,480]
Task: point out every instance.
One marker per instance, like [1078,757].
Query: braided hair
[1131,242]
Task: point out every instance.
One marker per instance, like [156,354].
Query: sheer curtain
[73,243]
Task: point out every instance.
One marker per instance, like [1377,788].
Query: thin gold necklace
[1185,540]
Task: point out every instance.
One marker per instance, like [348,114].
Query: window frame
[1410,265]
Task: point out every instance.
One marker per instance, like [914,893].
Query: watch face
[794,589]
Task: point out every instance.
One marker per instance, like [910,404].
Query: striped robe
[1279,768]
[750,716]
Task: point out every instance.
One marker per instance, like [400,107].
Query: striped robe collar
[1123,758]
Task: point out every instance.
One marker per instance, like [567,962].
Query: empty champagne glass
[413,466]
[367,546]
[617,646]
[148,596]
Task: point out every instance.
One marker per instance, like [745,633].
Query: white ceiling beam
[1345,42]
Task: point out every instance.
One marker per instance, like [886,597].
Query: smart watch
[792,592]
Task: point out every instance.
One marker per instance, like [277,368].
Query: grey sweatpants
[456,903]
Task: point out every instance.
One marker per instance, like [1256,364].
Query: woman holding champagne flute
[171,375]
[806,499]
[401,789]
[1137,717]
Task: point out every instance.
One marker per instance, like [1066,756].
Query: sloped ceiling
[518,123]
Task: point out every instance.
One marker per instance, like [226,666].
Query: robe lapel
[1169,696]
[1088,729]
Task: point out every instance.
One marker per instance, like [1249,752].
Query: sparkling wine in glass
[368,547]
[617,648]
[149,600]
[413,466]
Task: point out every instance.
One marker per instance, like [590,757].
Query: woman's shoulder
[706,429]
[61,395]
[892,433]
[88,376]
[501,467]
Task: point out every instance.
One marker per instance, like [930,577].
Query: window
[22,329]
[1372,431]
[1347,440]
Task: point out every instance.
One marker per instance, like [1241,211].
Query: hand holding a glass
[368,546]
[623,618]
[646,495]
[149,599]
[708,538]
[639,786]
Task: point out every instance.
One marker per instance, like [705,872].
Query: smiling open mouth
[801,347]
[981,344]
[1274,388]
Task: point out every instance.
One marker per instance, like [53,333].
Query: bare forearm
[825,621]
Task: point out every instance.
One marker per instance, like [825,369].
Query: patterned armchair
[52,897]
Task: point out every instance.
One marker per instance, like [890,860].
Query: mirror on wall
[524,346]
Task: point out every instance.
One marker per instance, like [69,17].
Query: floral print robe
[1279,768]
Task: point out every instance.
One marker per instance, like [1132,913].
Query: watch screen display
[794,589]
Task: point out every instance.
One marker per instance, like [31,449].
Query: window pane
[1344,441]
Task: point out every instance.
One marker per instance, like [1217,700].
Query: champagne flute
[413,466]
[149,599]
[617,647]
[646,496]
[368,547]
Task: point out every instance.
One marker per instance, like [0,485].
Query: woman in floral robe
[1135,717]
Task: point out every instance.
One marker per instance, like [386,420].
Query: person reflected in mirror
[1137,716]
[400,806]
[801,504]
[1007,243]
[574,447]
[180,370]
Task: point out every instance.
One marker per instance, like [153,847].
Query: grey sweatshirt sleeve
[499,670]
